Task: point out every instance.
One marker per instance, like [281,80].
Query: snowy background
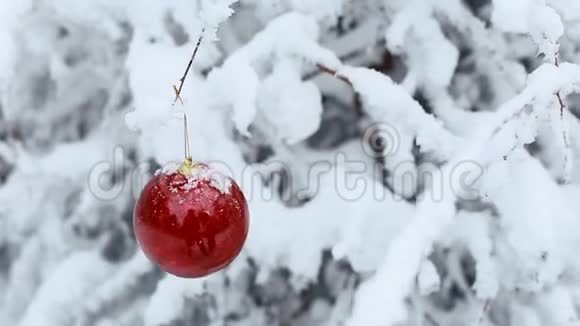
[406,162]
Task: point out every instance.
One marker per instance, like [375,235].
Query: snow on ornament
[192,220]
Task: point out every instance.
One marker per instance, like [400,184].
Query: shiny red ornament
[192,220]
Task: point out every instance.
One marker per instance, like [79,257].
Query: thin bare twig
[333,72]
[178,90]
[560,100]
[483,312]
[562,105]
[562,108]
[182,79]
[186,137]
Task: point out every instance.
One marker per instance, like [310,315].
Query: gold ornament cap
[187,167]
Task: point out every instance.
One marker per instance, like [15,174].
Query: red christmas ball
[192,221]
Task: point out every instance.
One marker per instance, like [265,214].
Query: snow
[216,178]
[546,30]
[474,231]
[112,289]
[284,229]
[214,12]
[543,237]
[432,217]
[168,301]
[432,57]
[405,162]
[323,10]
[506,16]
[542,22]
[239,83]
[380,300]
[70,282]
[428,279]
[388,101]
[283,96]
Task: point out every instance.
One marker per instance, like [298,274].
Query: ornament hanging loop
[187,151]
[188,164]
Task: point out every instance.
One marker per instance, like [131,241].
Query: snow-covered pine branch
[512,127]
